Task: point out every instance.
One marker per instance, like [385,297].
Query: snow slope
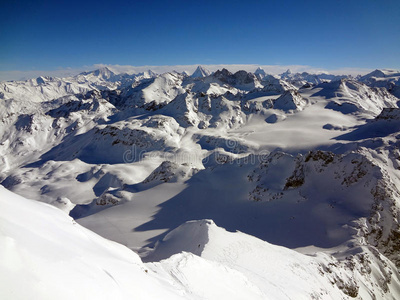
[305,277]
[47,255]
[39,242]
[200,72]
[305,161]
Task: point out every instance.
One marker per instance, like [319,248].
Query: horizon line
[21,75]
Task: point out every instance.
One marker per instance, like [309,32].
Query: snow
[308,162]
[201,261]
[290,100]
[360,97]
[260,73]
[200,72]
[388,79]
[262,263]
[51,256]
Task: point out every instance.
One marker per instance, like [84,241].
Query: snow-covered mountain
[352,96]
[54,257]
[260,73]
[307,162]
[200,72]
[49,88]
[307,79]
[389,79]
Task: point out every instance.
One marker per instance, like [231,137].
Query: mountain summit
[260,73]
[286,74]
[200,72]
[104,73]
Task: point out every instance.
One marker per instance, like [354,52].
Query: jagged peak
[200,72]
[288,72]
[150,73]
[290,100]
[260,71]
[244,76]
[185,73]
[223,72]
[103,72]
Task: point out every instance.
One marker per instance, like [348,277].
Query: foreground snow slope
[46,255]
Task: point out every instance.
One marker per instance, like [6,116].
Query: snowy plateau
[215,185]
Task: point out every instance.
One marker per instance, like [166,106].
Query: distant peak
[200,72]
[287,73]
[185,73]
[260,71]
[223,72]
[150,73]
[377,73]
[103,71]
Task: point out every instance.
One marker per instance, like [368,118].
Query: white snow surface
[47,255]
[54,257]
[201,72]
[309,162]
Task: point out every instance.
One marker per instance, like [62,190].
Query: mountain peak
[381,73]
[260,72]
[200,72]
[290,100]
[222,73]
[150,73]
[287,73]
[185,73]
[103,72]
[376,73]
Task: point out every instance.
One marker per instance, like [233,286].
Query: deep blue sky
[327,34]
